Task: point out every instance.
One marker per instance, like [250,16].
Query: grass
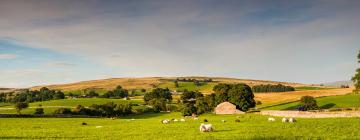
[148,126]
[340,101]
[205,87]
[310,88]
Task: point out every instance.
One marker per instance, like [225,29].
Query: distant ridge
[339,83]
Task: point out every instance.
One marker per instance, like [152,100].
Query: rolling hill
[151,82]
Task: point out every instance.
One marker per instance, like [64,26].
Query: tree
[201,106]
[20,106]
[39,110]
[158,93]
[307,103]
[356,77]
[189,109]
[176,83]
[188,95]
[242,96]
[159,104]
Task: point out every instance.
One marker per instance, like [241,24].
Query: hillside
[151,82]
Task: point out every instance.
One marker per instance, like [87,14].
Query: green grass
[206,87]
[310,88]
[52,105]
[148,126]
[340,101]
[81,91]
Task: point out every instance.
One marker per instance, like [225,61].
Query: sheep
[176,120]
[165,121]
[292,120]
[182,120]
[98,126]
[205,120]
[271,119]
[196,119]
[285,120]
[83,123]
[223,121]
[237,120]
[206,128]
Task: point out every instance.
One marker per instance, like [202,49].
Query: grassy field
[340,101]
[252,126]
[205,88]
[50,106]
[311,88]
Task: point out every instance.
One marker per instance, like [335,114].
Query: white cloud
[8,56]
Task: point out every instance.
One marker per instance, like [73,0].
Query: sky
[61,41]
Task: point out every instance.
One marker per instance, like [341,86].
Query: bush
[307,103]
[188,110]
[20,106]
[62,111]
[258,103]
[39,110]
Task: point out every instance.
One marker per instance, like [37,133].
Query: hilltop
[151,82]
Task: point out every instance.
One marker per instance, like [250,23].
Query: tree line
[44,94]
[272,88]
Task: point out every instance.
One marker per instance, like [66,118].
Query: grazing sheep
[223,121]
[285,120]
[205,120]
[182,120]
[133,119]
[165,121]
[292,120]
[206,127]
[84,123]
[176,120]
[196,118]
[98,126]
[271,119]
[237,120]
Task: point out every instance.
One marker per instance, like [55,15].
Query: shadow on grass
[295,107]
[265,107]
[327,106]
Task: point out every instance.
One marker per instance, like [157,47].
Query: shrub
[188,110]
[258,103]
[39,110]
[64,111]
[20,106]
[307,103]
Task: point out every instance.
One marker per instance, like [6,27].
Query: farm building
[227,108]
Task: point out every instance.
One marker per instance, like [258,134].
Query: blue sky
[50,42]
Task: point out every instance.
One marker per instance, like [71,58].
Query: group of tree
[240,95]
[105,110]
[307,103]
[344,86]
[272,88]
[44,94]
[118,92]
[158,98]
[195,81]
[356,77]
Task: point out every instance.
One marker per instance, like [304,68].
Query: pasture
[251,126]
[340,101]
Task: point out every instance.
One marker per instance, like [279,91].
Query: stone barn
[227,108]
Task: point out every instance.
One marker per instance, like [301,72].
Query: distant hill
[339,83]
[151,82]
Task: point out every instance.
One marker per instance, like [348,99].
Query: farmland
[340,101]
[148,126]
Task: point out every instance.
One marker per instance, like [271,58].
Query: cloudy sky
[60,41]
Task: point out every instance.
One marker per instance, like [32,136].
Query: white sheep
[271,119]
[206,127]
[176,120]
[285,120]
[292,120]
[182,120]
[196,118]
[165,121]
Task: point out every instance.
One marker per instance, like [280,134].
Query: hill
[151,82]
[339,83]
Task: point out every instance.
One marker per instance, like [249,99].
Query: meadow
[339,101]
[251,126]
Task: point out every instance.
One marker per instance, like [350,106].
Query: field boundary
[308,114]
[45,116]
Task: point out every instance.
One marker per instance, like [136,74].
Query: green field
[340,101]
[148,126]
[311,88]
[50,106]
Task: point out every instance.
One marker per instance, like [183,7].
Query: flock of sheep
[209,127]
